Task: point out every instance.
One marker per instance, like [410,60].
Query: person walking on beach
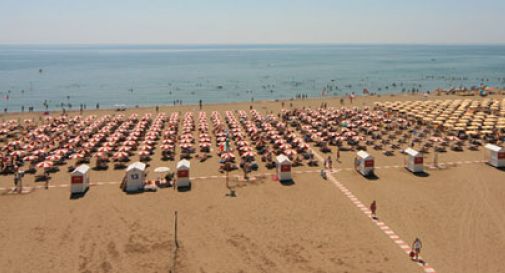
[246,167]
[416,249]
[17,180]
[373,209]
[330,163]
[200,104]
[323,174]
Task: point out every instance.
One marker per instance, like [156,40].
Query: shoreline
[421,95]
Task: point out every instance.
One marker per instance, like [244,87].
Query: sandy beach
[311,225]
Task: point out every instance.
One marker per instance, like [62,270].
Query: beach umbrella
[227,156]
[124,149]
[45,164]
[100,155]
[150,137]
[148,142]
[15,143]
[120,155]
[166,147]
[185,140]
[290,153]
[129,143]
[77,156]
[53,158]
[18,153]
[30,158]
[146,148]
[61,152]
[436,139]
[185,145]
[167,141]
[248,155]
[105,149]
[144,153]
[162,170]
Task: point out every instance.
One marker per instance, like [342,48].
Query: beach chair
[389,153]
[457,148]
[377,147]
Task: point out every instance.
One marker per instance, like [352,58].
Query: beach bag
[412,254]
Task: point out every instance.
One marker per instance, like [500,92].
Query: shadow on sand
[421,174]
[372,177]
[75,196]
[289,182]
[184,189]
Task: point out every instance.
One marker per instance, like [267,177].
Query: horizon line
[255,44]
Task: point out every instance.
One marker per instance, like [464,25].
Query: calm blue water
[150,75]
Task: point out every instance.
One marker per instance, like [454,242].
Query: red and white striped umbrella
[53,158]
[124,148]
[120,155]
[148,142]
[151,137]
[130,143]
[436,139]
[146,148]
[29,158]
[28,147]
[227,156]
[39,152]
[185,140]
[77,156]
[245,149]
[167,141]
[144,153]
[358,138]
[167,147]
[105,149]
[109,144]
[18,153]
[248,154]
[290,153]
[45,164]
[61,152]
[43,138]
[285,146]
[89,144]
[100,155]
[15,143]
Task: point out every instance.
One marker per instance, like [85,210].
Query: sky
[252,22]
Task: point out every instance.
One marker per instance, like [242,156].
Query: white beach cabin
[135,177]
[283,168]
[414,161]
[364,163]
[79,181]
[496,155]
[182,179]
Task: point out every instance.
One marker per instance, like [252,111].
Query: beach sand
[309,226]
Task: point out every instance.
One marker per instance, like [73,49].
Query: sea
[68,76]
